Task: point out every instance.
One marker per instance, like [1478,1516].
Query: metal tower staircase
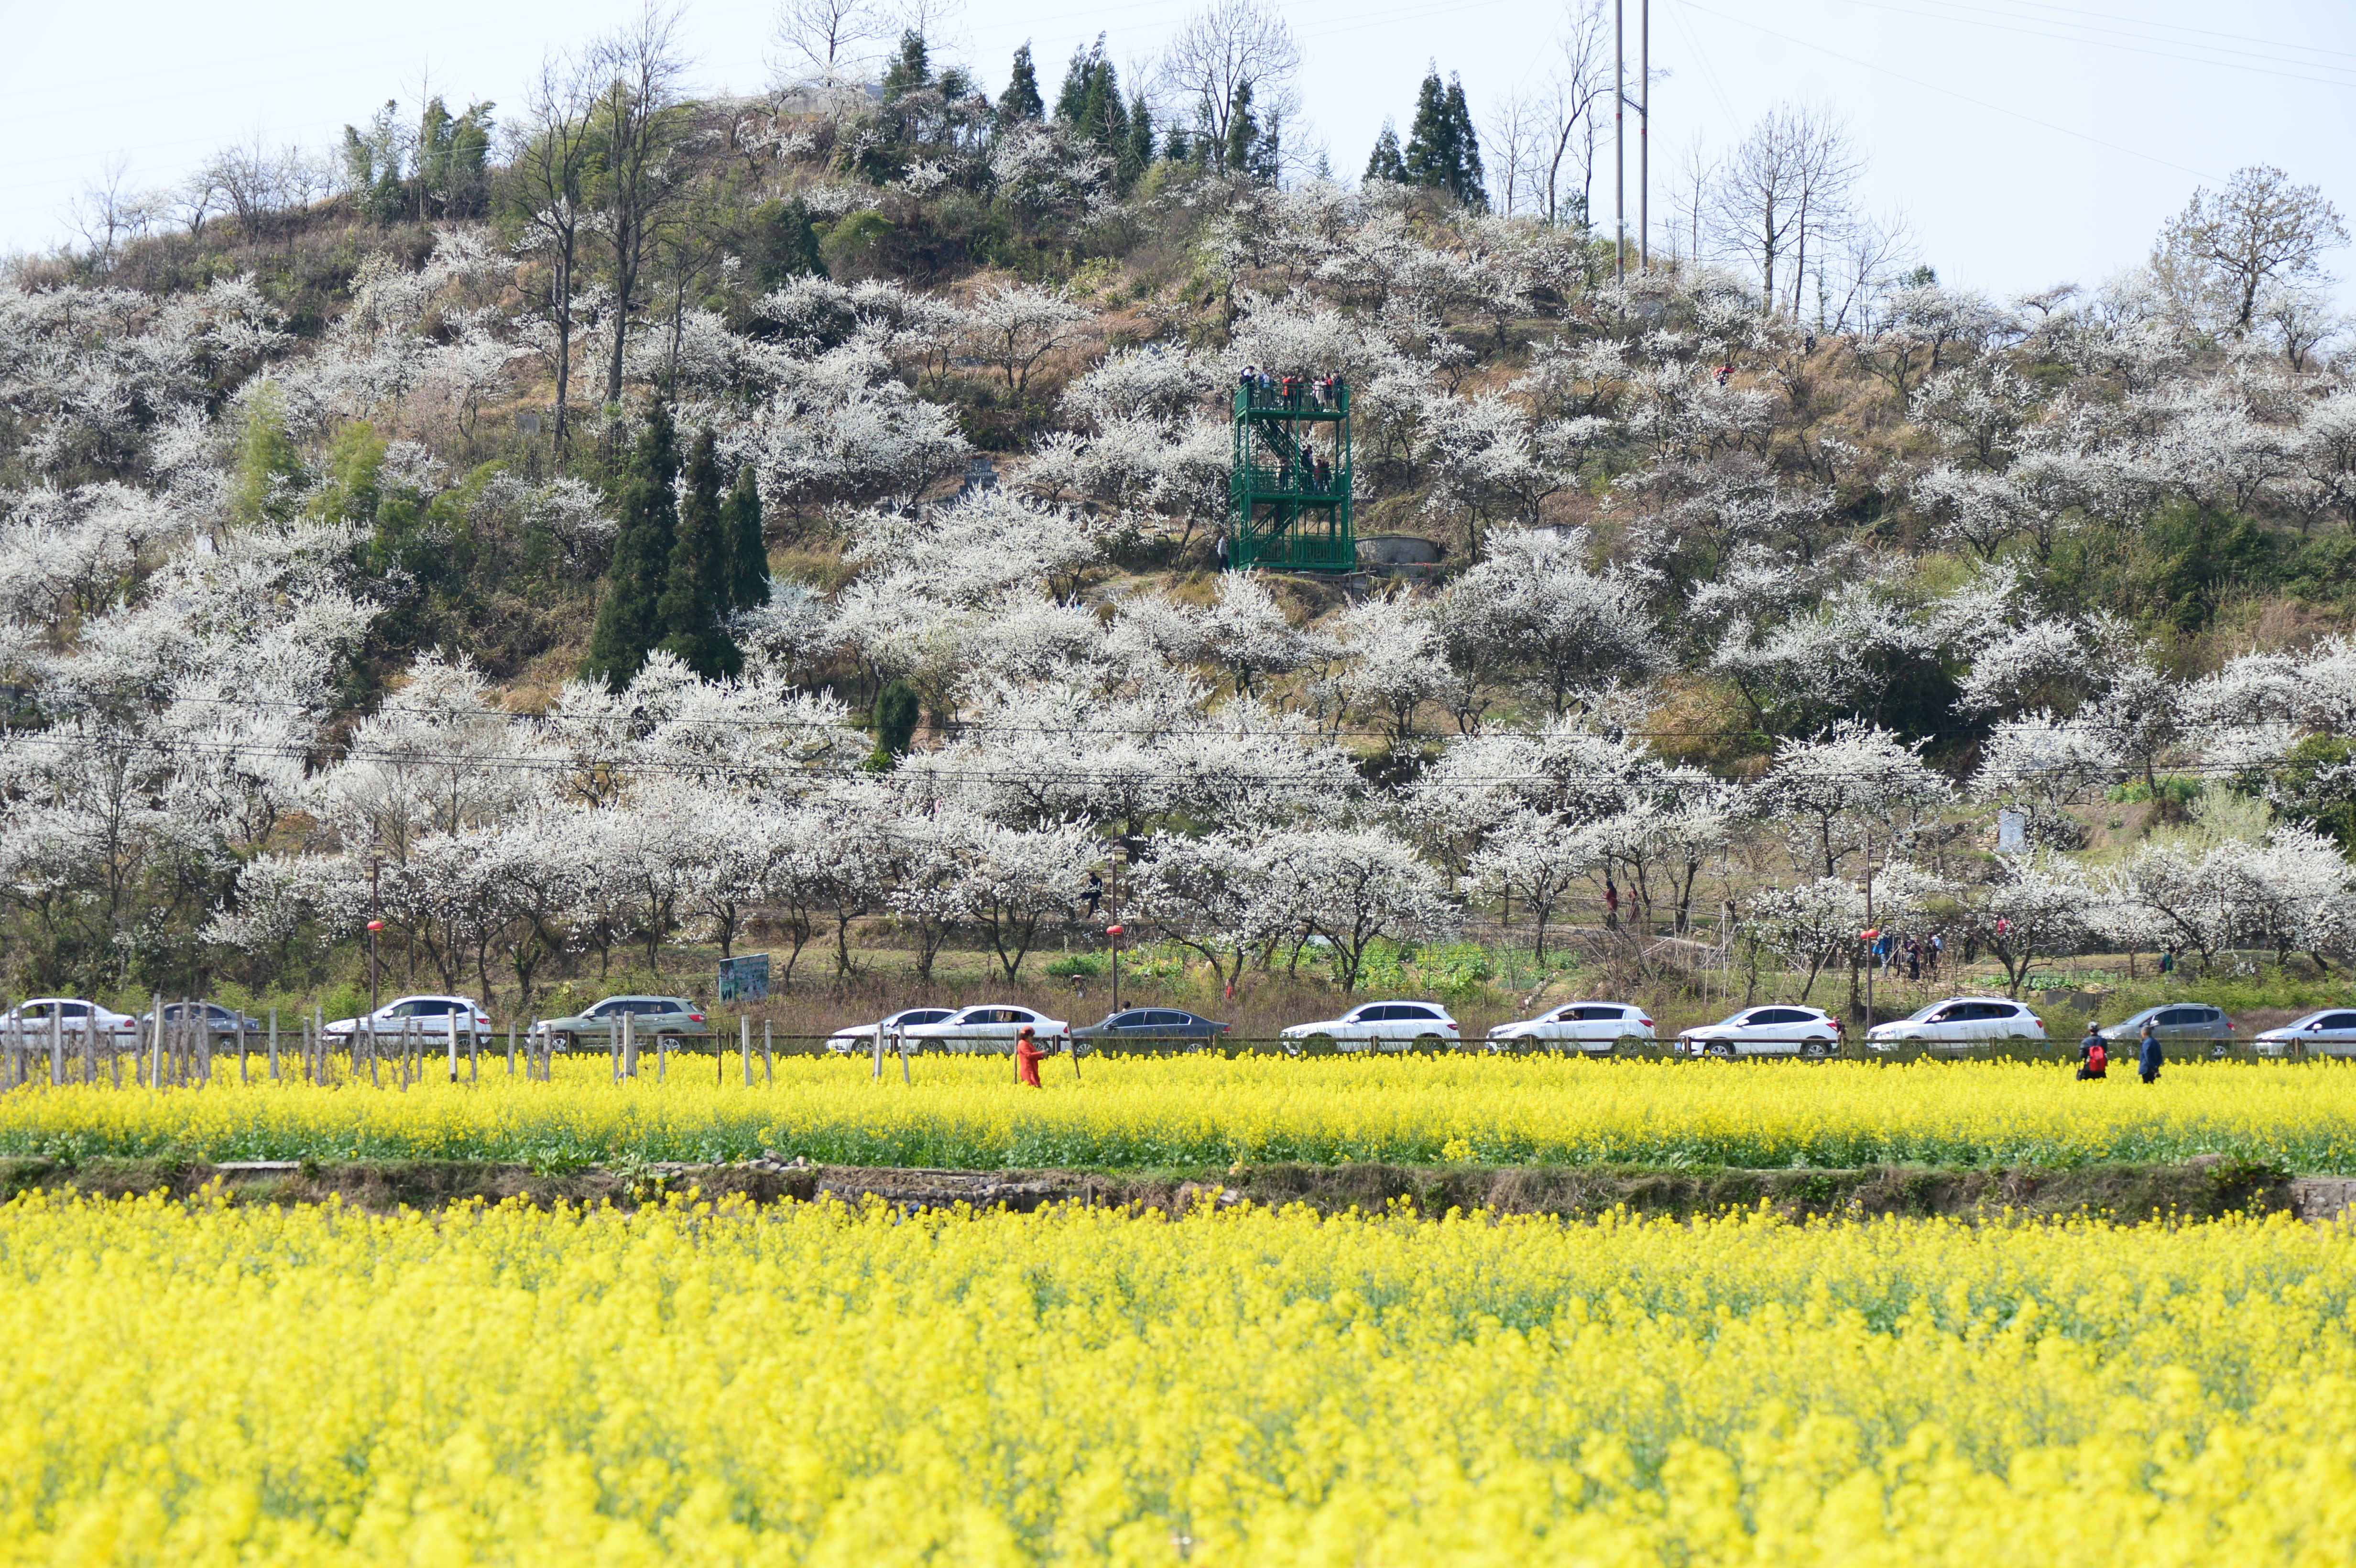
[1282,514]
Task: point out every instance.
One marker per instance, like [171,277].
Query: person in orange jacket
[1027,1056]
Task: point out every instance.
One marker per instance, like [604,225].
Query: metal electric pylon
[1289,494]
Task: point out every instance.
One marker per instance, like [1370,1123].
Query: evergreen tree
[1180,147]
[1443,149]
[628,611]
[749,546]
[1022,101]
[1090,101]
[910,69]
[1137,154]
[787,244]
[1242,132]
[895,719]
[694,603]
[1386,163]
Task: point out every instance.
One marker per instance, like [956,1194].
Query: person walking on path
[2093,1056]
[1027,1056]
[2148,1057]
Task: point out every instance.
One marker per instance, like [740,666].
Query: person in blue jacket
[2148,1057]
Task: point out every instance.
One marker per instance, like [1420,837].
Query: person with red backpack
[2093,1056]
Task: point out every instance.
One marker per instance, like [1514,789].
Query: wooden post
[768,1056]
[662,1058]
[273,1045]
[744,1040]
[878,1073]
[244,1075]
[374,1081]
[90,1049]
[56,1047]
[629,1045]
[453,1019]
[114,1059]
[900,1039]
[200,1019]
[511,1047]
[155,1044]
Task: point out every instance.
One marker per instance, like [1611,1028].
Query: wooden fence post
[744,1040]
[768,1055]
[273,1045]
[511,1028]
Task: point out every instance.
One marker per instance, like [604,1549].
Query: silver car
[1958,1023]
[2331,1033]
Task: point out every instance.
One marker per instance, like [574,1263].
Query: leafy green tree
[694,603]
[749,546]
[1021,100]
[267,463]
[784,244]
[1444,148]
[2316,785]
[628,611]
[1386,163]
[355,462]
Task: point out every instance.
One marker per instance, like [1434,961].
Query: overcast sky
[2027,143]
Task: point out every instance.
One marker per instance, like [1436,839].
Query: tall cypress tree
[1090,101]
[748,576]
[1468,183]
[628,613]
[694,603]
[1021,100]
[1137,156]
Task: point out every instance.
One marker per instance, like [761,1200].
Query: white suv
[1378,1025]
[1959,1022]
[429,1016]
[1775,1030]
[987,1030]
[1590,1026]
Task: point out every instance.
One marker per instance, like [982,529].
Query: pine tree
[1180,147]
[1443,149]
[787,244]
[1137,154]
[1386,163]
[694,603]
[628,611]
[1022,101]
[910,69]
[1243,131]
[1090,103]
[1468,184]
[749,546]
[893,720]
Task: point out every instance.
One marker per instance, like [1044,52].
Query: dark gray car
[220,1022]
[2184,1024]
[1149,1029]
[676,1019]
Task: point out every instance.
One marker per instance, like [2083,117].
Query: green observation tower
[1289,494]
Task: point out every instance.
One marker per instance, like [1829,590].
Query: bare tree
[1866,255]
[1230,46]
[640,127]
[1514,128]
[1786,183]
[1690,185]
[552,163]
[2259,229]
[827,40]
[1564,143]
[106,214]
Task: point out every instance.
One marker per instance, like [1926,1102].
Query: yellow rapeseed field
[201,1383]
[1204,1112]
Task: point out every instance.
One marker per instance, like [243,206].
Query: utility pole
[1645,135]
[1619,141]
[375,924]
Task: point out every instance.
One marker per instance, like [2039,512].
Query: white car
[1959,1022]
[852,1042]
[430,1016]
[1378,1025]
[2331,1033]
[1590,1026]
[1777,1028]
[990,1029]
[70,1016]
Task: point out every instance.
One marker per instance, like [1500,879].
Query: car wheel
[1815,1049]
[1320,1045]
[560,1043]
[1721,1049]
[1430,1041]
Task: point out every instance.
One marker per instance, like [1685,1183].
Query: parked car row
[1773,1029]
